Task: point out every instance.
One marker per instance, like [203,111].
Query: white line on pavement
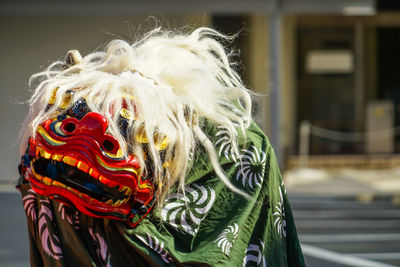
[331,256]
[339,238]
[320,224]
[354,214]
[377,256]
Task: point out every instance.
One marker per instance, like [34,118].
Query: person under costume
[146,155]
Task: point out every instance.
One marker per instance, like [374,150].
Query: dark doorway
[326,98]
[389,71]
[235,25]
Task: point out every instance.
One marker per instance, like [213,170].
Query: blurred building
[338,71]
[333,63]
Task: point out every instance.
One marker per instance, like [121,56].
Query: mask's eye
[111,147]
[108,145]
[68,126]
[78,110]
[64,125]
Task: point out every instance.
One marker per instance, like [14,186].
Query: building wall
[258,69]
[289,83]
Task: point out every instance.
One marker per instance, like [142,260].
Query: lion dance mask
[73,159]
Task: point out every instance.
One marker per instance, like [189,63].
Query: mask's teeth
[56,183]
[128,192]
[82,166]
[32,168]
[125,190]
[117,203]
[94,201]
[57,157]
[107,182]
[76,192]
[46,181]
[93,173]
[70,161]
[44,154]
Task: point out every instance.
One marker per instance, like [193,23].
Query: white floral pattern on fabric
[186,211]
[279,215]
[226,239]
[50,243]
[101,248]
[30,204]
[251,167]
[69,214]
[157,246]
[255,255]
[224,145]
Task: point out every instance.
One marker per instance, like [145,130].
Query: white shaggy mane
[170,77]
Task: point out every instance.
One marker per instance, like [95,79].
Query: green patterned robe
[208,225]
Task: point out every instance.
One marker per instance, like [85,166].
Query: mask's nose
[94,125]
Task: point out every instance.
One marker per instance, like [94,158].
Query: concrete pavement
[346,217]
[362,183]
[14,243]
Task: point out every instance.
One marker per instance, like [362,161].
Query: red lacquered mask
[74,160]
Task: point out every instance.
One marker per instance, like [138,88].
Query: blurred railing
[307,129]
